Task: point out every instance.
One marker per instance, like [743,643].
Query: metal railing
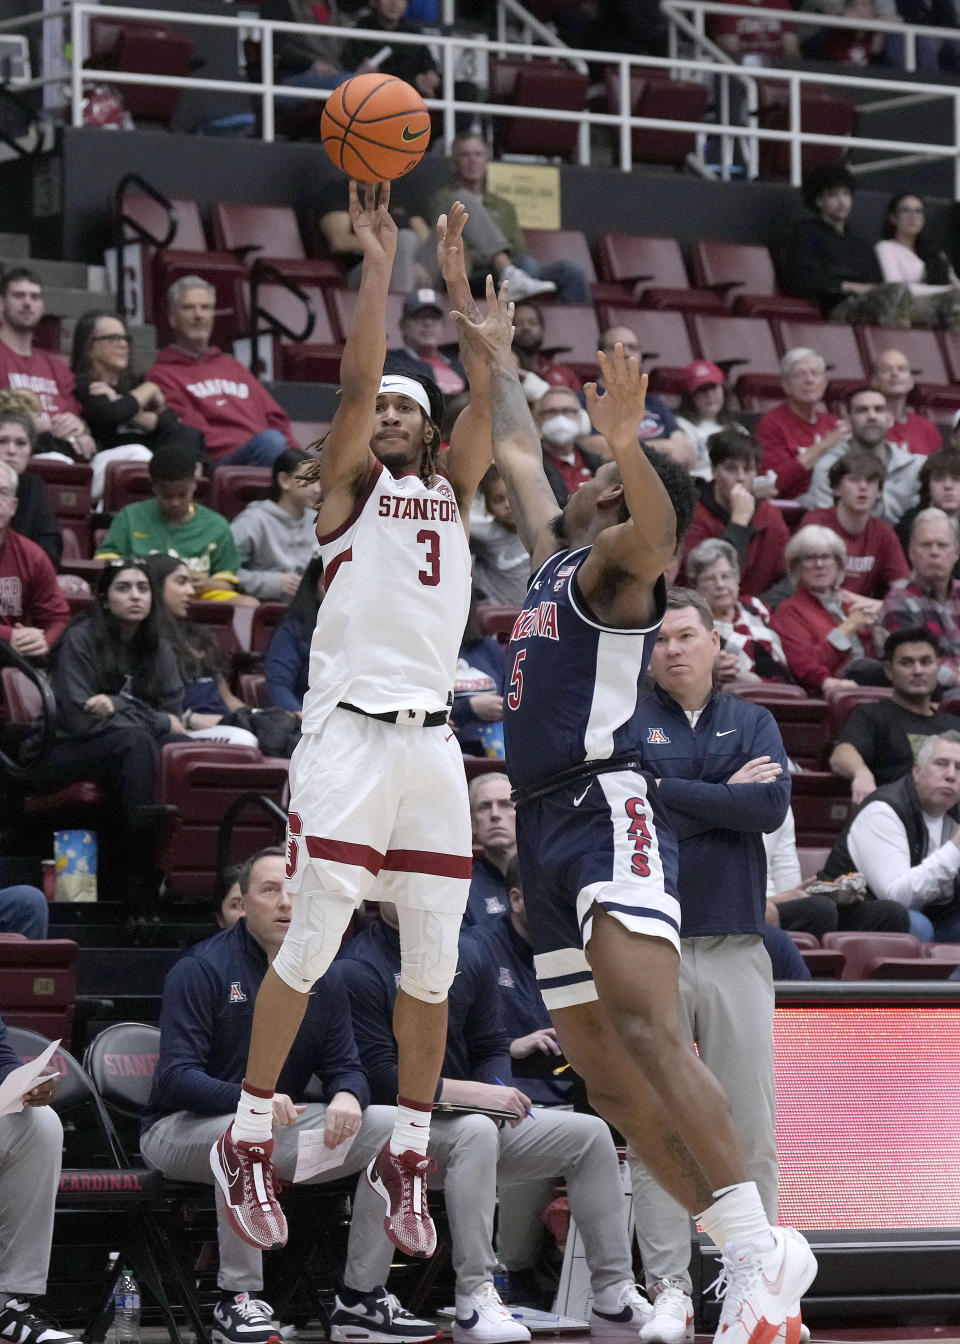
[621,122]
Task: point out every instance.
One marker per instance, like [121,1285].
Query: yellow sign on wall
[532,188]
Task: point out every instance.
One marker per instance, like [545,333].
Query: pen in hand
[501,1083]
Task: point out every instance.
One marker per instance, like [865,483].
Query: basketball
[375,128]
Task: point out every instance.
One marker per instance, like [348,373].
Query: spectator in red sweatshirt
[795,435]
[241,422]
[58,422]
[875,558]
[33,610]
[728,509]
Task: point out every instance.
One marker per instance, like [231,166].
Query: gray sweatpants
[726,1001]
[31,1148]
[473,1156]
[179,1146]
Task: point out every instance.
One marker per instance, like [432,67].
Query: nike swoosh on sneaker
[470,1322]
[625,1314]
[775,1286]
[231,1175]
[410,136]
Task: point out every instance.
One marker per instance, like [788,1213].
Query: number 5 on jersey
[516,681]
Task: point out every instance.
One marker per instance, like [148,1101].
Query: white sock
[253,1122]
[737,1215]
[411,1129]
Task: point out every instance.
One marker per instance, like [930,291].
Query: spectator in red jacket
[826,634]
[727,508]
[893,377]
[796,434]
[528,348]
[240,421]
[875,557]
[33,610]
[59,420]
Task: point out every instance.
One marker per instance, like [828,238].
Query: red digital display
[868,1115]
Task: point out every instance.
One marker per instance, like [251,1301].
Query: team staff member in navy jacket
[205,1023]
[722,773]
[474,1156]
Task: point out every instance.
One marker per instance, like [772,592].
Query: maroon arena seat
[743,275]
[217,619]
[315,360]
[746,346]
[233,488]
[38,985]
[823,963]
[811,861]
[483,765]
[342,302]
[252,689]
[539,84]
[664,342]
[821,807]
[651,269]
[572,332]
[836,342]
[820,114]
[142,47]
[129,482]
[843,703]
[861,948]
[654,94]
[68,485]
[270,233]
[266,617]
[806,942]
[926,357]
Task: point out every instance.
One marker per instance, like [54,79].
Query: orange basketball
[375,128]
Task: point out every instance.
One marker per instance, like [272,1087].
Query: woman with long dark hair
[907,254]
[119,698]
[288,657]
[127,415]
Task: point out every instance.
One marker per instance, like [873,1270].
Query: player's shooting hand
[284,1110]
[343,1118]
[618,412]
[450,253]
[489,337]
[542,1042]
[369,213]
[761,770]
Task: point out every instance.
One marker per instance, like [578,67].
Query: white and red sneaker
[244,1172]
[761,1290]
[400,1179]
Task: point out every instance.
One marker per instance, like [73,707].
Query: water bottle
[501,1280]
[126,1310]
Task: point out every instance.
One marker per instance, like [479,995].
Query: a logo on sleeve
[236,992]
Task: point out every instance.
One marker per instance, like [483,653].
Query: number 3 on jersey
[430,576]
[516,681]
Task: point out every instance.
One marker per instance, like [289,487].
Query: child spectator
[501,565]
[277,537]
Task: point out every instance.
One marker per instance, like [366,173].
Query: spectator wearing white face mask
[562,422]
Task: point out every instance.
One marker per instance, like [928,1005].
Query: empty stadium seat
[823,963]
[549,245]
[804,941]
[744,346]
[538,84]
[142,47]
[269,233]
[821,113]
[836,342]
[217,619]
[821,807]
[316,359]
[68,486]
[571,332]
[38,985]
[233,488]
[651,269]
[862,948]
[252,689]
[743,275]
[942,952]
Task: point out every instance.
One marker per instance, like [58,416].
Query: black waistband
[433,720]
[588,770]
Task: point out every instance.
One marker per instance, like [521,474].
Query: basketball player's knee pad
[313,938]
[428,951]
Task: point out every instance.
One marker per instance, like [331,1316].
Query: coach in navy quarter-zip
[722,775]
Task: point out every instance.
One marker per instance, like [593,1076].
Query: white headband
[409,387]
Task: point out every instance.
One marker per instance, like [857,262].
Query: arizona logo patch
[236,993]
[505,978]
[657,737]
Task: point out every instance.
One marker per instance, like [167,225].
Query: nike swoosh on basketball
[578,801]
[727,733]
[408,135]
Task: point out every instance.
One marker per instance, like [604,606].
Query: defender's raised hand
[450,252]
[490,336]
[376,232]
[618,412]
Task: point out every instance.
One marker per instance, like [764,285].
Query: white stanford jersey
[397,576]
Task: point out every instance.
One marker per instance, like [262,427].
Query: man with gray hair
[930,596]
[795,435]
[240,421]
[904,840]
[494,821]
[33,610]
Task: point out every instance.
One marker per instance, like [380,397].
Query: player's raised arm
[347,459]
[516,443]
[642,546]
[470,444]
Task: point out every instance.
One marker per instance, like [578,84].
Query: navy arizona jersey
[573,683]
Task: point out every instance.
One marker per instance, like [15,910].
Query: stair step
[62,274]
